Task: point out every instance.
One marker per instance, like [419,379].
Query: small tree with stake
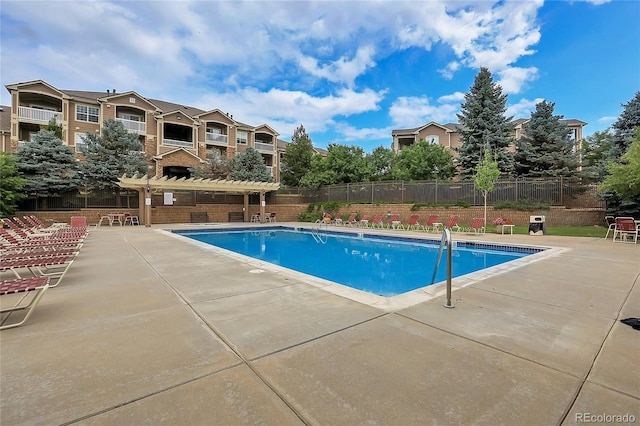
[487,174]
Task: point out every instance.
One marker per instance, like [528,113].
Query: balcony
[39,115]
[265,147]
[216,138]
[139,127]
[174,142]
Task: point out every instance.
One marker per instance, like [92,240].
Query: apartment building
[175,137]
[448,135]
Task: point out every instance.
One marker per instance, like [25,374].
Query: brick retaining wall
[555,216]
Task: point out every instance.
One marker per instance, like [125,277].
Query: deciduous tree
[423,161]
[487,174]
[11,184]
[296,161]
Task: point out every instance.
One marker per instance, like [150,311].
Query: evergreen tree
[596,149]
[11,184]
[296,160]
[545,148]
[625,126]
[217,166]
[53,126]
[49,167]
[484,125]
[423,161]
[111,154]
[249,165]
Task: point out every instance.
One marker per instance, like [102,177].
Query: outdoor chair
[34,286]
[626,227]
[432,223]
[611,225]
[477,225]
[377,222]
[453,223]
[413,223]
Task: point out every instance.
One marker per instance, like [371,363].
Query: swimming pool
[382,265]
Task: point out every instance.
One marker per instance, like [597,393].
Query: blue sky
[349,71]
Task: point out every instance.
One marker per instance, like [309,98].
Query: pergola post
[262,206]
[245,208]
[147,207]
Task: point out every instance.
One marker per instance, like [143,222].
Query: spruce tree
[111,154]
[545,148]
[483,125]
[249,165]
[49,167]
[625,126]
[296,160]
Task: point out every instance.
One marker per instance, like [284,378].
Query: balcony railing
[217,138]
[264,146]
[36,114]
[139,127]
[174,142]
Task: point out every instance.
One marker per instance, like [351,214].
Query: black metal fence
[554,192]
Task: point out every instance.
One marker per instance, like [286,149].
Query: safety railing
[446,238]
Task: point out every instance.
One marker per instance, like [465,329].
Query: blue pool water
[379,265]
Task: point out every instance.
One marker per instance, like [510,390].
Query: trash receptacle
[537,225]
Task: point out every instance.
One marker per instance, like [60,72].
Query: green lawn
[566,231]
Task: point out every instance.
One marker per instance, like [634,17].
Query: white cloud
[607,119]
[523,108]
[512,80]
[409,112]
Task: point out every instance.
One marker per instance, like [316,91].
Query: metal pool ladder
[446,237]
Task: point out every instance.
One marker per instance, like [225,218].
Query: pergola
[144,185]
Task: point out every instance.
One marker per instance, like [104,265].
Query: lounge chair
[351,220]
[477,225]
[626,227]
[453,223]
[364,221]
[395,222]
[377,222]
[34,285]
[54,267]
[413,223]
[432,223]
[338,220]
[272,217]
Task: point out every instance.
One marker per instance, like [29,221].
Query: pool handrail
[446,237]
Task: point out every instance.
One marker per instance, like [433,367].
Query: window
[433,139]
[214,130]
[80,143]
[242,137]
[87,113]
[129,117]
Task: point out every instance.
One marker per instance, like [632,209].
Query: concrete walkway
[150,329]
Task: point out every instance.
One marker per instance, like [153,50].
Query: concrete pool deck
[147,329]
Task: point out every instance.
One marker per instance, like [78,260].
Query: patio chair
[131,219]
[413,223]
[477,225]
[34,285]
[626,227]
[272,217]
[338,220]
[611,225]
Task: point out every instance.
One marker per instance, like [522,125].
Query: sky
[349,71]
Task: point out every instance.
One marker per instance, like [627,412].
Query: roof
[221,185]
